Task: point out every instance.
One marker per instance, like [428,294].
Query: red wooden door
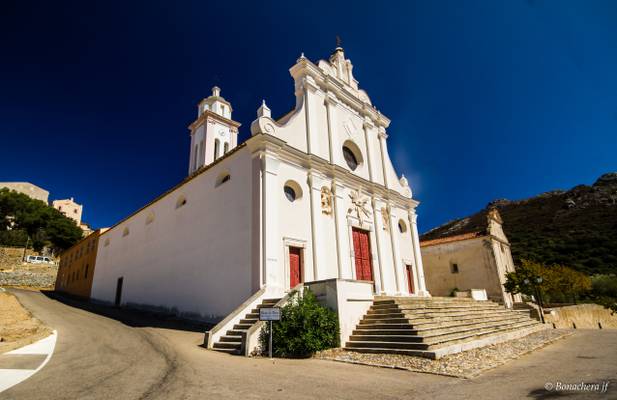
[409,278]
[362,253]
[295,266]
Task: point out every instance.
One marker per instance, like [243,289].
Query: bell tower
[213,133]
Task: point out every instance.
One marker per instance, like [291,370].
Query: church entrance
[362,253]
[295,266]
[409,271]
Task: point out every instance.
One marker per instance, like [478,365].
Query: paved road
[125,357]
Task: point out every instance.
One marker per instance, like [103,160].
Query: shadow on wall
[131,317]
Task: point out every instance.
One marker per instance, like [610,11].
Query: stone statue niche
[326,200]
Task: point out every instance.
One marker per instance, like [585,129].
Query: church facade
[309,197]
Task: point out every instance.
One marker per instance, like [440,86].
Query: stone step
[432,304]
[234,339]
[428,326]
[434,343]
[237,332]
[397,320]
[384,315]
[377,350]
[433,335]
[227,345]
[440,336]
[227,350]
[427,322]
[386,345]
[421,327]
[232,342]
[450,308]
[385,338]
[437,343]
[383,332]
[442,327]
[435,313]
[402,325]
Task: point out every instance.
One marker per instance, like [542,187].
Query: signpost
[270,314]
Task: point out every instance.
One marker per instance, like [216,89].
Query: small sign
[270,314]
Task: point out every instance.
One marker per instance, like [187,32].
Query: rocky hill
[577,227]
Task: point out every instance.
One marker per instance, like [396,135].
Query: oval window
[350,158]
[290,193]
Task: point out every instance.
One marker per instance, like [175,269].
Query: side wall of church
[194,258]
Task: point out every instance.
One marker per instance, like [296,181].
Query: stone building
[28,189]
[70,209]
[478,259]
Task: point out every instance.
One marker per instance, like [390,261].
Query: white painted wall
[196,258]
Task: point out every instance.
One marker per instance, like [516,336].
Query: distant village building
[28,189]
[70,209]
[476,259]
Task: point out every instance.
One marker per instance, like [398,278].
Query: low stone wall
[582,316]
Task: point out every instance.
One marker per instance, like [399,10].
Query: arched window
[201,153]
[150,218]
[217,145]
[181,201]
[125,232]
[292,191]
[222,178]
[225,148]
[402,227]
[352,155]
[195,158]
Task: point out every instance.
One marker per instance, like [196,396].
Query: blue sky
[488,99]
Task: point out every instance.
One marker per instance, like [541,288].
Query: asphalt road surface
[111,354]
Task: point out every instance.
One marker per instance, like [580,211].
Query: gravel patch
[467,364]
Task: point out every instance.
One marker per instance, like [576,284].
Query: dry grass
[17,326]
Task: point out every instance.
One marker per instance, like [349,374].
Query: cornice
[210,114]
[316,164]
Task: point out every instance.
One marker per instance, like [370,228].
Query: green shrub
[305,328]
[604,285]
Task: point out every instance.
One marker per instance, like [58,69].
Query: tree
[559,283]
[29,218]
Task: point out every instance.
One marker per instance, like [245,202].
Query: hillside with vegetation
[576,228]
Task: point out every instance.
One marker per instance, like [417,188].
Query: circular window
[290,193]
[401,226]
[350,158]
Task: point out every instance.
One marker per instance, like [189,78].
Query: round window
[290,193]
[350,158]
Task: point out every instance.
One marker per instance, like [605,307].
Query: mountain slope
[577,227]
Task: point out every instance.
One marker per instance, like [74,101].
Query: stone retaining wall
[582,316]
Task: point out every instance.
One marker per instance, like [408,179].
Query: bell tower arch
[213,133]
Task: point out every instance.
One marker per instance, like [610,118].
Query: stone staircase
[434,327]
[231,342]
